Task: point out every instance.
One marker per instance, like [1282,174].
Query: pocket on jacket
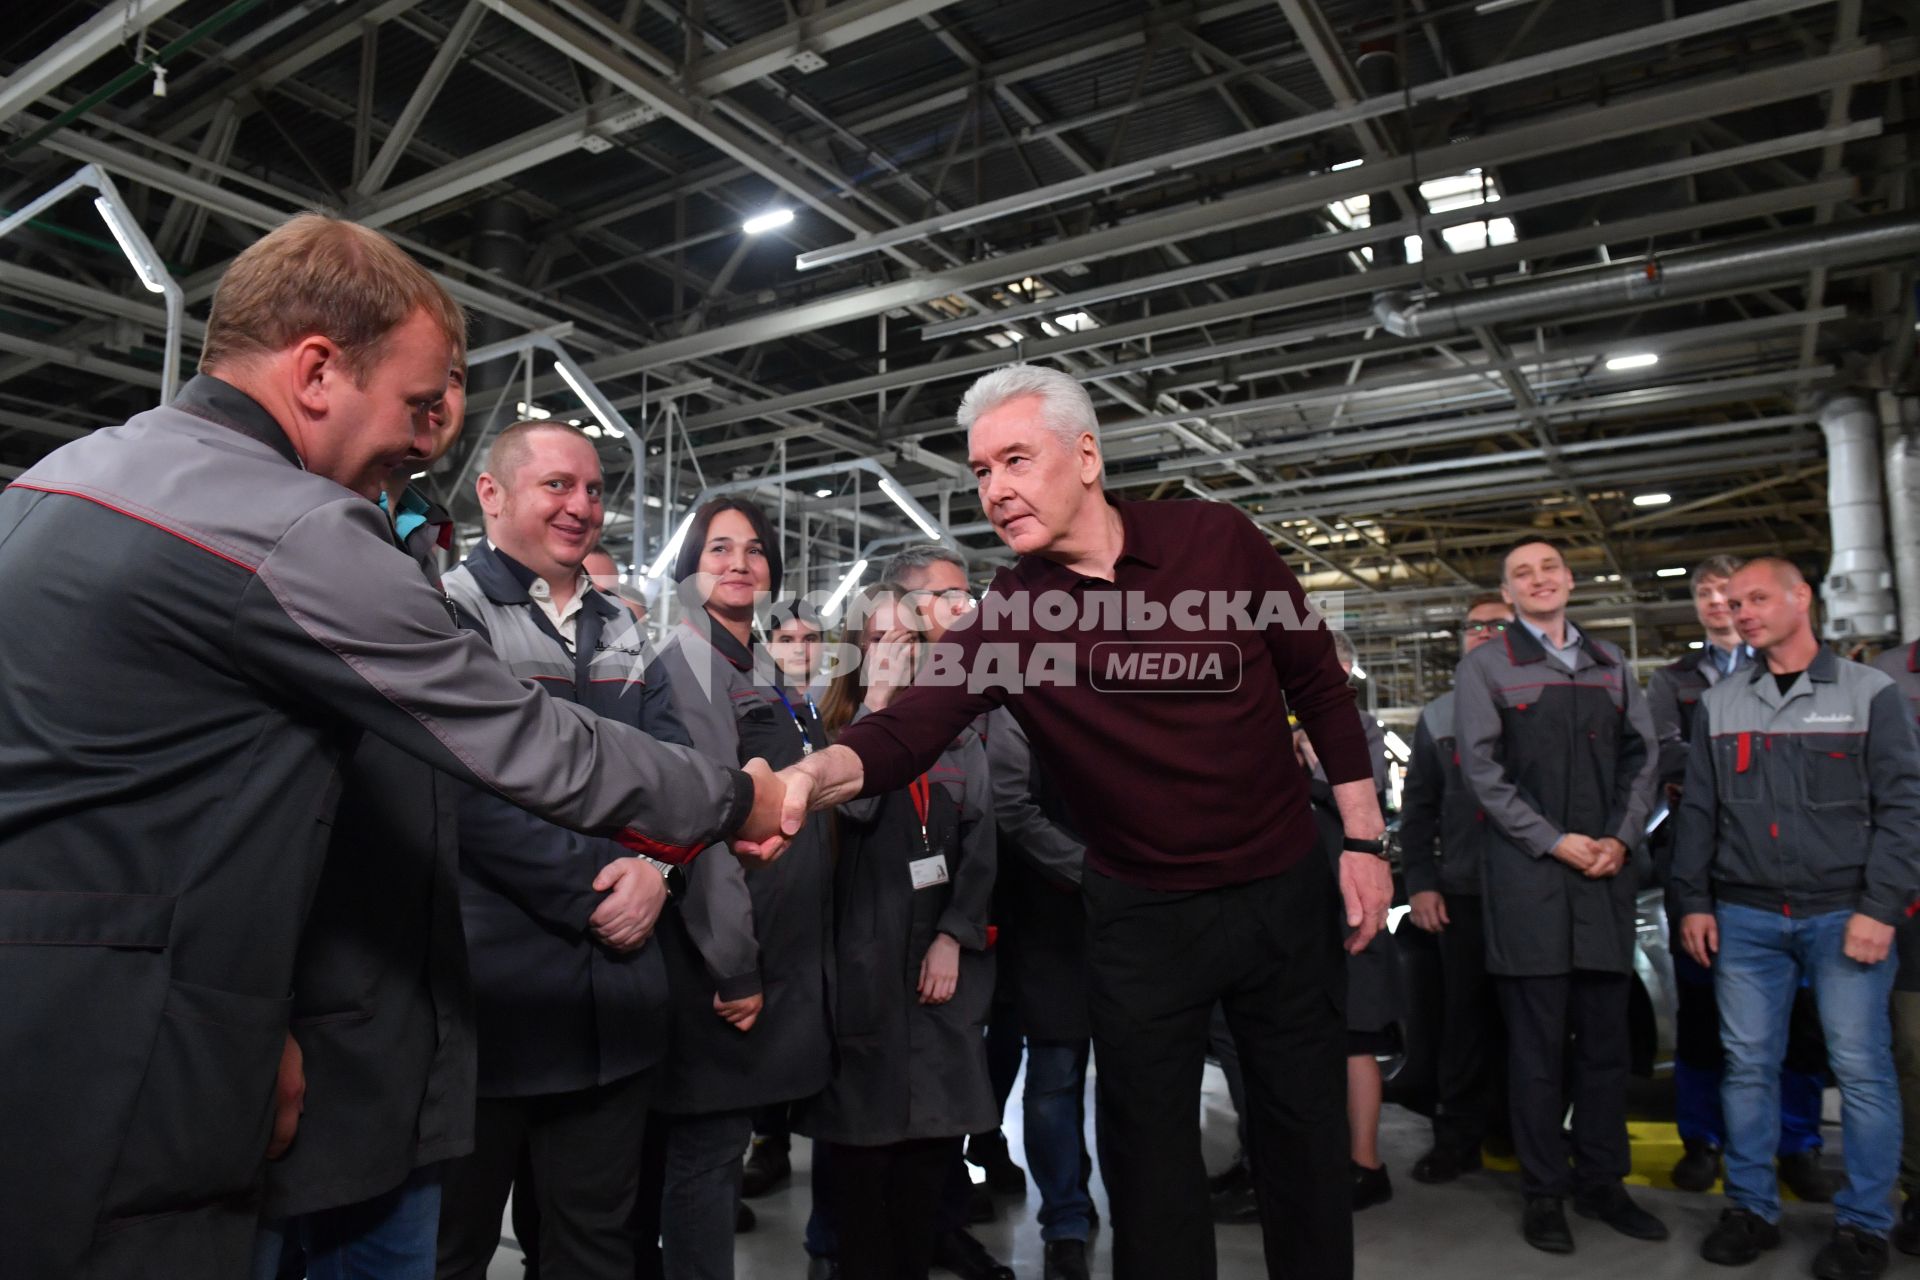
[1834,774]
[204,1111]
[1737,766]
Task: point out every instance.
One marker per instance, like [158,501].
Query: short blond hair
[315,274]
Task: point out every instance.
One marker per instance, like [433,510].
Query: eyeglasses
[1485,628]
[958,599]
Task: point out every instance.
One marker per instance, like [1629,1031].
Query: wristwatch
[676,878]
[1378,848]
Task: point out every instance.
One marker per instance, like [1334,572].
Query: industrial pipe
[1655,278]
[1859,584]
[1903,506]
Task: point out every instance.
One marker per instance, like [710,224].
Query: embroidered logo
[1814,717]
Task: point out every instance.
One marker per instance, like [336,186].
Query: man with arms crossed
[1203,879]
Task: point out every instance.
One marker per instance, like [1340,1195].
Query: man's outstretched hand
[820,781]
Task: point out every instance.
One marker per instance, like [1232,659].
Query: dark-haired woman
[912,885]
[746,953]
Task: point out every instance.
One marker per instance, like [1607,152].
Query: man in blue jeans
[1797,852]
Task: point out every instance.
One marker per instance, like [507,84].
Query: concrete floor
[1467,1230]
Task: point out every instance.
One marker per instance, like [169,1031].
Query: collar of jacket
[506,581]
[697,620]
[1140,541]
[222,403]
[1523,648]
[1825,668]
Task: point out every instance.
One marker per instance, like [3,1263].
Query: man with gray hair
[1202,881]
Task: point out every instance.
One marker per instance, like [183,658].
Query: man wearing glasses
[1673,695]
[1441,832]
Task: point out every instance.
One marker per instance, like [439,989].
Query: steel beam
[114,25]
[445,58]
[1158,167]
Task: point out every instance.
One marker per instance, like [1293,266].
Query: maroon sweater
[1168,741]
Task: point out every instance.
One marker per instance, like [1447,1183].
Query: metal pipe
[1652,279]
[1902,415]
[1859,584]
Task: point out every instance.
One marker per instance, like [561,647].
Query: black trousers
[1471,1086]
[1541,1014]
[584,1149]
[885,1201]
[1269,953]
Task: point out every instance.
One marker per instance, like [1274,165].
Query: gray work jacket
[1806,801]
[1902,662]
[197,631]
[1546,750]
[1442,828]
[740,932]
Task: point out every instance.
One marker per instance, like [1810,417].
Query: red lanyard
[922,793]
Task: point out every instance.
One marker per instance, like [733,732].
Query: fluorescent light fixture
[1653,500]
[667,553]
[1675,572]
[771,220]
[419,475]
[1359,672]
[1347,164]
[823,493]
[832,607]
[1495,6]
[591,431]
[900,500]
[1696,644]
[143,266]
[1397,745]
[573,385]
[533,411]
[1638,360]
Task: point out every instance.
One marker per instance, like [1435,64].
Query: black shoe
[819,1268]
[1232,1178]
[1544,1224]
[1852,1254]
[960,1253]
[980,1206]
[1235,1208]
[1066,1260]
[1444,1163]
[1738,1238]
[1906,1232]
[1613,1206]
[744,1220]
[988,1151]
[1699,1168]
[1801,1174]
[767,1168]
[1370,1186]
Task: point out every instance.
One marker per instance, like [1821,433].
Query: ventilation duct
[1903,504]
[1692,274]
[1859,582]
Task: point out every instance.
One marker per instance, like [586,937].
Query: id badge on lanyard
[806,739]
[931,869]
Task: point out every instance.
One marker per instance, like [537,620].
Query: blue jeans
[1056,1121]
[1697,1074]
[1763,955]
[390,1237]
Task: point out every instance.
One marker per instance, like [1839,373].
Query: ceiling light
[1653,500]
[1696,644]
[832,607]
[913,511]
[659,565]
[771,220]
[1638,360]
[1347,164]
[1675,572]
[1359,672]
[133,245]
[823,493]
[573,385]
[1495,6]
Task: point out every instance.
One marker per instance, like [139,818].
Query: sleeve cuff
[963,931]
[740,805]
[1694,906]
[738,987]
[1422,881]
[1887,914]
